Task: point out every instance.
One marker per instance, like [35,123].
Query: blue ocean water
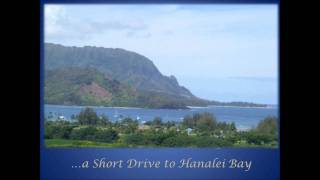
[243,117]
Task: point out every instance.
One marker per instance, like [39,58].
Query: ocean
[243,117]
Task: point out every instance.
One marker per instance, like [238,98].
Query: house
[61,118]
[189,130]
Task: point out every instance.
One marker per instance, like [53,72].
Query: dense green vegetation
[198,130]
[239,104]
[120,65]
[88,86]
[85,86]
[94,76]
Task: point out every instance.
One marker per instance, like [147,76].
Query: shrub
[178,141]
[212,142]
[108,135]
[84,133]
[94,134]
[257,138]
[137,139]
[57,130]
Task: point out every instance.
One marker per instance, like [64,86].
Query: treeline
[198,130]
[239,104]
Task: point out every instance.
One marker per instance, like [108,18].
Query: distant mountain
[111,77]
[122,65]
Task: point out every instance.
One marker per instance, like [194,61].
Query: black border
[29,68]
[20,67]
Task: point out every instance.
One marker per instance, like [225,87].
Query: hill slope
[125,66]
[89,87]
[112,77]
[86,86]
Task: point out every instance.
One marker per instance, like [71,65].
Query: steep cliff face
[109,77]
[125,66]
[113,77]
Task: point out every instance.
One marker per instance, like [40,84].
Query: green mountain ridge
[112,77]
[87,86]
[122,65]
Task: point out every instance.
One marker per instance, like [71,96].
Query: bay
[243,117]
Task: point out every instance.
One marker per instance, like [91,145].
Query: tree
[233,127]
[226,127]
[128,125]
[157,122]
[188,121]
[267,126]
[88,117]
[104,120]
[205,121]
[170,124]
[73,117]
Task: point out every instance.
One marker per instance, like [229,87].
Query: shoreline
[77,106]
[188,107]
[267,107]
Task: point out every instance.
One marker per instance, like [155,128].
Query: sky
[219,52]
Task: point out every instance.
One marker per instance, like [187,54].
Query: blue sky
[219,52]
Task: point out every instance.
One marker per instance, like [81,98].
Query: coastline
[77,106]
[188,107]
[249,107]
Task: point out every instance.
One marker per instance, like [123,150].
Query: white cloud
[62,25]
[189,41]
[54,15]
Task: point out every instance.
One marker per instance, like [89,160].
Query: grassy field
[56,143]
[247,145]
[65,143]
